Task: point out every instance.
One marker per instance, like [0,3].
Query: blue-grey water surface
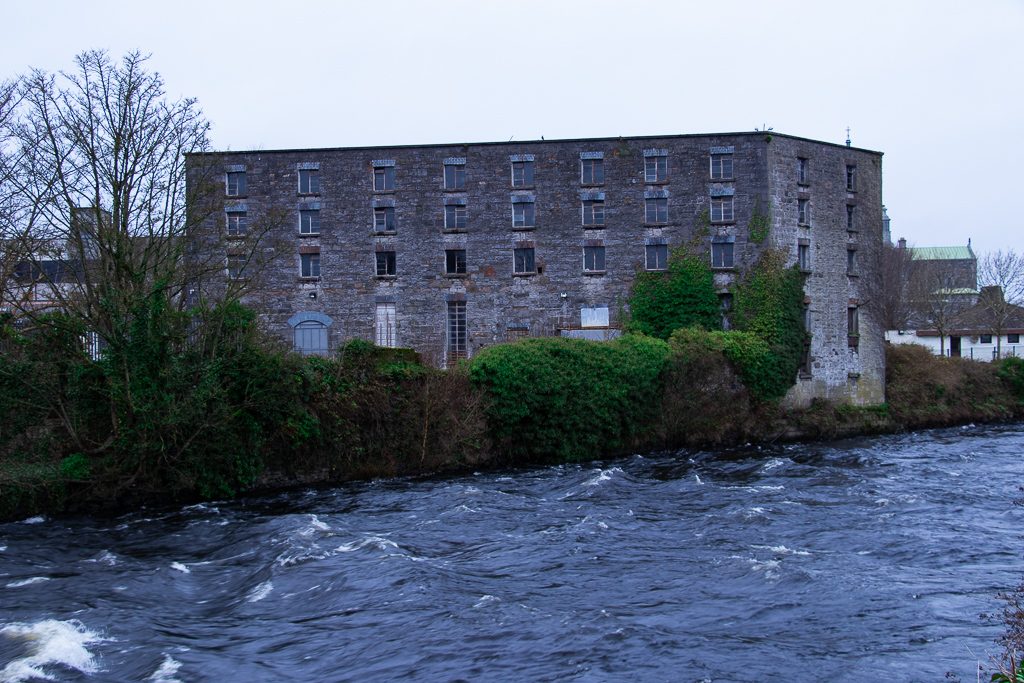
[860,560]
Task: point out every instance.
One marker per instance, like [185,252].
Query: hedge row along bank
[200,404]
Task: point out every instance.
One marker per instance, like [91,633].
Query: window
[851,261]
[803,257]
[721,166]
[456,216]
[236,266]
[656,169]
[383,178]
[849,218]
[853,326]
[805,359]
[985,339]
[386,332]
[523,261]
[238,224]
[656,210]
[656,256]
[309,265]
[721,209]
[385,263]
[851,178]
[384,219]
[523,215]
[593,212]
[722,255]
[517,331]
[309,221]
[457,336]
[801,170]
[593,259]
[522,173]
[455,261]
[803,211]
[1013,339]
[592,171]
[594,316]
[455,176]
[236,183]
[309,181]
[311,338]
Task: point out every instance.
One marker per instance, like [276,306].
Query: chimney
[902,244]
[992,294]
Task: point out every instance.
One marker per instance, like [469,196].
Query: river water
[859,560]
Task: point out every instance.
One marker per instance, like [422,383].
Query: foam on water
[259,592]
[50,643]
[106,557]
[781,550]
[301,556]
[167,671]
[486,600]
[34,520]
[766,566]
[27,582]
[772,464]
[602,476]
[372,541]
[178,566]
[315,527]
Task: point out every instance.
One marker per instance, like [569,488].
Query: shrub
[682,296]
[768,303]
[751,357]
[704,402]
[570,398]
[1011,371]
[925,390]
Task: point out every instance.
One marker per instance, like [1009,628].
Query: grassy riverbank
[261,418]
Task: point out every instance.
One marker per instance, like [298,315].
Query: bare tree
[101,167]
[893,288]
[934,299]
[1001,275]
[10,253]
[103,217]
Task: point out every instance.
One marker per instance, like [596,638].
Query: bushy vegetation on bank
[570,398]
[202,405]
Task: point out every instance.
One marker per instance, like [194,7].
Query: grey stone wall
[501,304]
[841,367]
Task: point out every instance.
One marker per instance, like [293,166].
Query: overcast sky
[936,85]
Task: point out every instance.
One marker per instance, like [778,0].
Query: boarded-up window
[386,325]
[596,316]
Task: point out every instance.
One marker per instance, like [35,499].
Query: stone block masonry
[451,248]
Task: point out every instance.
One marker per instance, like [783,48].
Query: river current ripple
[858,560]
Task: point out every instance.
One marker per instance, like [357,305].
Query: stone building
[952,268]
[449,248]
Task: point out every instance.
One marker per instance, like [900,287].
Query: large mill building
[448,248]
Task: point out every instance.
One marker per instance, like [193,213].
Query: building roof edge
[676,136]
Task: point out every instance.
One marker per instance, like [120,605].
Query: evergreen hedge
[570,399]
